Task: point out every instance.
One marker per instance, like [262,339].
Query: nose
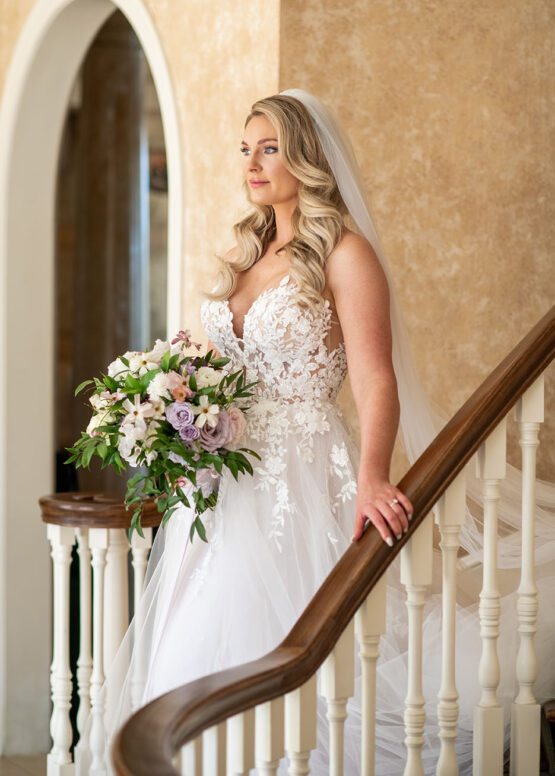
[254,162]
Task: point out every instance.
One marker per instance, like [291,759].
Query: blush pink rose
[238,423]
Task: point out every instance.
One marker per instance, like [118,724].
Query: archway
[47,56]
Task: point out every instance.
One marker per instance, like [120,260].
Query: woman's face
[269,182]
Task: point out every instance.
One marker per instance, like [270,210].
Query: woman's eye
[244,151]
[270,149]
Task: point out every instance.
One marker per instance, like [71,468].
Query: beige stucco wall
[450,107]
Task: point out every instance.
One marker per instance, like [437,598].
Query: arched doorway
[47,57]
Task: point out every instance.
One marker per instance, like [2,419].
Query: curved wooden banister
[149,740]
[94,510]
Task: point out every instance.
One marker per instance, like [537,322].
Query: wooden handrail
[149,740]
[94,510]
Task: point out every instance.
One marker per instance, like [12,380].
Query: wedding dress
[273,539]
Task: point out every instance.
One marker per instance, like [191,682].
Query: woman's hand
[386,507]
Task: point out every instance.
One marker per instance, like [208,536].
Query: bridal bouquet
[178,417]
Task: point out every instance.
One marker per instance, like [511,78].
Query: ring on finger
[393,501]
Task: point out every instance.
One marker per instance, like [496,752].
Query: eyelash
[246,151]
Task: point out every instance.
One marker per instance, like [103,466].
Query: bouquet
[178,417]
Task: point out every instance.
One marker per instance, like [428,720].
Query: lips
[256,184]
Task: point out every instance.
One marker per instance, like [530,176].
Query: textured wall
[450,107]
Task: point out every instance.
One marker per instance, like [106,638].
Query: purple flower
[189,433]
[180,414]
[190,368]
[220,435]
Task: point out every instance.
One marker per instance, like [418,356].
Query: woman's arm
[361,296]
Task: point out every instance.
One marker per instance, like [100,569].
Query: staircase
[255,714]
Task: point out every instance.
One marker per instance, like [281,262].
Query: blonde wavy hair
[318,220]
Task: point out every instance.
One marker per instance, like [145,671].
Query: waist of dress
[279,416]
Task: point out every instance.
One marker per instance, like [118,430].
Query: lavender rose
[220,435]
[189,433]
[180,414]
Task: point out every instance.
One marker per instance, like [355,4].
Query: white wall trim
[46,59]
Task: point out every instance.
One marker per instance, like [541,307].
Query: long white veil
[419,423]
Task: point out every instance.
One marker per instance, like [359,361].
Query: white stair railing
[103,604]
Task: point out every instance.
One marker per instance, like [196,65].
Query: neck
[283,214]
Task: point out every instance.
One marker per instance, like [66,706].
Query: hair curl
[318,219]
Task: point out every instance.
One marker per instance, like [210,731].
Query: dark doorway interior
[111,268]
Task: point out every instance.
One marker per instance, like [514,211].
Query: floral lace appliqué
[284,348]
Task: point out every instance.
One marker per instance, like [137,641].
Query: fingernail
[410,516]
[399,536]
[389,541]
[405,529]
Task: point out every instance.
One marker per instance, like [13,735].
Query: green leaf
[192,382]
[165,361]
[82,385]
[201,530]
[132,385]
[167,516]
[219,362]
[110,383]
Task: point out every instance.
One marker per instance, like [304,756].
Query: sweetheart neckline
[282,284]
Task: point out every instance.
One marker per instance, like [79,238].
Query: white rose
[117,369]
[158,387]
[159,350]
[127,443]
[207,376]
[99,419]
[98,402]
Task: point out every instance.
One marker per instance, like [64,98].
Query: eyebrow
[264,140]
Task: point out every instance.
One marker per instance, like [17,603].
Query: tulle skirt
[273,539]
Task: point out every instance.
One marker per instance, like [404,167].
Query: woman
[301,300]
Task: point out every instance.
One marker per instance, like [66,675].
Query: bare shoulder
[352,262]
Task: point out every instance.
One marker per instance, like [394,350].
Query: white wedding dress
[273,538]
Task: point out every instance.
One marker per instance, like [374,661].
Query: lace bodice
[283,346]
[293,407]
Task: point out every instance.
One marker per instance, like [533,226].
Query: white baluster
[139,554]
[139,558]
[84,661]
[488,714]
[450,514]
[269,732]
[191,758]
[240,748]
[98,542]
[338,684]
[416,576]
[300,726]
[116,593]
[59,762]
[369,625]
[214,750]
[525,712]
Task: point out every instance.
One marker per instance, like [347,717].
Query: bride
[301,300]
